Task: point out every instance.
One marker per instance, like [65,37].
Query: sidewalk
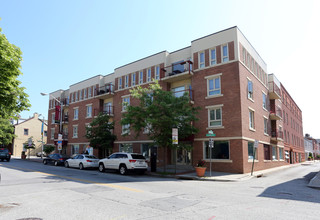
[215,176]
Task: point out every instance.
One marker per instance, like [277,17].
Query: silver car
[82,161]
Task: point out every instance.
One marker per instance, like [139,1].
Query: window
[225,53]
[125,103]
[76,114]
[213,57]
[157,70]
[125,129]
[251,119]
[251,150]
[89,92]
[72,97]
[89,111]
[75,149]
[80,95]
[146,150]
[75,131]
[266,149]
[107,108]
[201,60]
[265,120]
[264,101]
[126,83]
[52,134]
[133,79]
[244,55]
[280,153]
[125,148]
[178,91]
[85,93]
[53,118]
[147,128]
[149,75]
[215,117]
[140,77]
[274,153]
[45,133]
[26,131]
[76,94]
[250,89]
[120,83]
[220,150]
[214,86]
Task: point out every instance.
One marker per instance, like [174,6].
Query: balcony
[178,71]
[65,119]
[274,91]
[276,135]
[182,92]
[105,91]
[106,110]
[64,138]
[275,113]
[65,102]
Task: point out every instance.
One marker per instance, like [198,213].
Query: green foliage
[99,133]
[13,99]
[48,148]
[6,132]
[159,111]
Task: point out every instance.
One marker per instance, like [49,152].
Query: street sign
[211,134]
[256,144]
[59,146]
[59,137]
[211,142]
[174,135]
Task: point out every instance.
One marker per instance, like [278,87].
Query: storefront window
[220,150]
[125,148]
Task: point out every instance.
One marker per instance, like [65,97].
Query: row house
[224,76]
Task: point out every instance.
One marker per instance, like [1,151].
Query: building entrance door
[183,157]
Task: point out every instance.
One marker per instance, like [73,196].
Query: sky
[64,42]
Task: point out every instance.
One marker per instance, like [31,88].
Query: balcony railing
[105,110]
[64,135]
[65,119]
[182,68]
[65,102]
[275,113]
[277,134]
[182,92]
[105,90]
[274,91]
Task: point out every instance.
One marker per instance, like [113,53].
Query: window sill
[281,160]
[125,134]
[265,109]
[252,129]
[219,160]
[250,160]
[213,96]
[75,119]
[88,117]
[266,134]
[75,137]
[251,99]
[210,128]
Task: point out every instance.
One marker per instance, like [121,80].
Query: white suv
[124,162]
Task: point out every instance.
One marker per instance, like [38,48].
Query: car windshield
[3,150]
[137,156]
[91,156]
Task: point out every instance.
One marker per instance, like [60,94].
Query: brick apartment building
[225,76]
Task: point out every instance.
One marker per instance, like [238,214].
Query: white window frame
[80,94]
[126,83]
[125,129]
[120,83]
[149,75]
[76,98]
[202,64]
[213,77]
[264,101]
[223,56]
[250,93]
[133,79]
[85,93]
[75,131]
[76,116]
[89,92]
[215,108]
[53,118]
[157,72]
[265,125]
[89,111]
[52,133]
[244,55]
[72,97]
[274,157]
[213,61]
[140,77]
[251,119]
[125,99]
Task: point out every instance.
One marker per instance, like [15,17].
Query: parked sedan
[56,159]
[5,154]
[82,161]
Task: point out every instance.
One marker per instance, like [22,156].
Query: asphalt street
[30,190]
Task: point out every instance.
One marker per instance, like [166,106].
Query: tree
[99,133]
[48,148]
[13,99]
[6,132]
[29,145]
[158,112]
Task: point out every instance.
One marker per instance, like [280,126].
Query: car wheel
[45,162]
[101,167]
[81,167]
[123,169]
[1,160]
[56,163]
[66,164]
[8,160]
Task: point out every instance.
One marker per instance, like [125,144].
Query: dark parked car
[56,159]
[5,154]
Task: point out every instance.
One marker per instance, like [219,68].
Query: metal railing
[105,110]
[178,68]
[182,92]
[276,111]
[274,88]
[277,134]
[106,89]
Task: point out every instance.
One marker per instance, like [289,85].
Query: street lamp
[61,106]
[42,131]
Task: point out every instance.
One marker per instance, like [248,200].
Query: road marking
[80,180]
